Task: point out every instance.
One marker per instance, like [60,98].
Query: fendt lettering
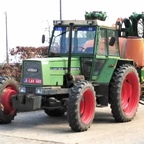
[32,70]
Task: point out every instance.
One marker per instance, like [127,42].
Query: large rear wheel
[124,93]
[81,106]
[8,88]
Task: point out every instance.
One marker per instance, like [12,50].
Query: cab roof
[84,22]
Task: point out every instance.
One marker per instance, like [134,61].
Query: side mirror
[112,41]
[43,38]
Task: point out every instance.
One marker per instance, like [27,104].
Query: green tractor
[88,66]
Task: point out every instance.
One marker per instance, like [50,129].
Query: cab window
[102,42]
[113,43]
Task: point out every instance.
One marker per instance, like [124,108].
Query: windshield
[82,39]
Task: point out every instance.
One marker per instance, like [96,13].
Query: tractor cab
[91,41]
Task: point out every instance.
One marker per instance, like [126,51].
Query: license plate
[32,81]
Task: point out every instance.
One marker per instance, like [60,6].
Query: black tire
[81,106]
[140,28]
[124,93]
[54,112]
[8,87]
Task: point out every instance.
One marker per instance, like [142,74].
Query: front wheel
[124,93]
[81,106]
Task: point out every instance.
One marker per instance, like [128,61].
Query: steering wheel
[82,48]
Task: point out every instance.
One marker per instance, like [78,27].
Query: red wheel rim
[130,94]
[5,99]
[87,106]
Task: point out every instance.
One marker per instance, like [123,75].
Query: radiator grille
[32,71]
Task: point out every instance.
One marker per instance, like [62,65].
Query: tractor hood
[47,71]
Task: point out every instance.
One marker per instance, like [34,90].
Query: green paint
[53,69]
[142,75]
[107,70]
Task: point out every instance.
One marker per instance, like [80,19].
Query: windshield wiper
[61,33]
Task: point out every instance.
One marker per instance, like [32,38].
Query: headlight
[39,90]
[22,89]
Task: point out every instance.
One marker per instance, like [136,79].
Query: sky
[27,19]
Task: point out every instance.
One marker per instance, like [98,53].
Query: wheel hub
[5,100]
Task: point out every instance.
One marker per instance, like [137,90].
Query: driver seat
[88,46]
